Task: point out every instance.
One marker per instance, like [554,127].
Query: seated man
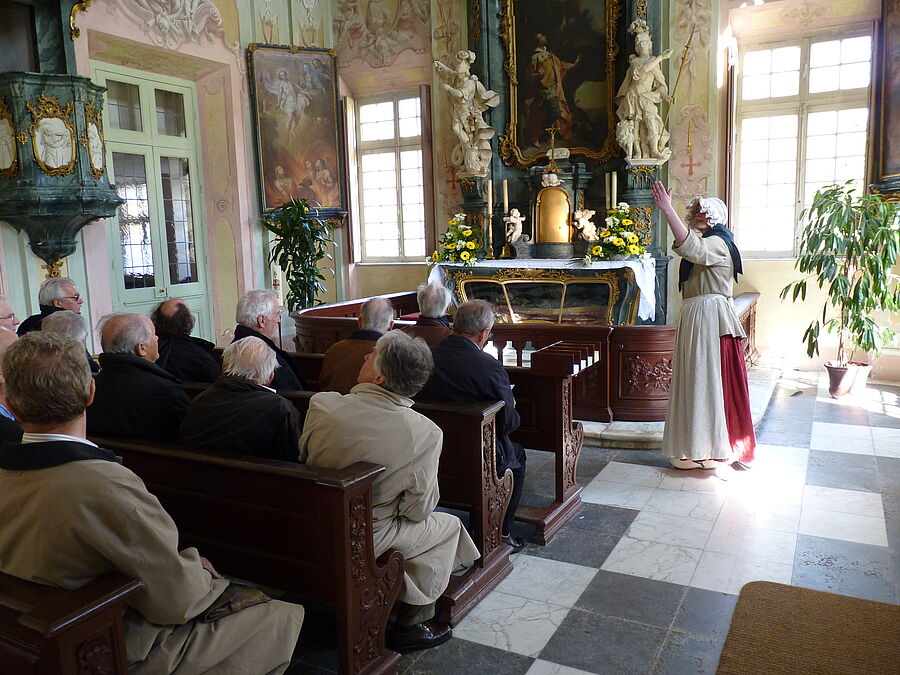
[343,359]
[375,423]
[258,315]
[240,413]
[55,294]
[433,324]
[72,513]
[186,357]
[8,318]
[10,429]
[135,397]
[72,324]
[465,374]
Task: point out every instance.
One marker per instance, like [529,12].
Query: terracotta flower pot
[847,380]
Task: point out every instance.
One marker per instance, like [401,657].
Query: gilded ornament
[76,8]
[52,135]
[54,270]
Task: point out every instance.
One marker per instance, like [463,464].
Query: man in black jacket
[463,373]
[258,315]
[55,293]
[186,357]
[135,397]
[240,413]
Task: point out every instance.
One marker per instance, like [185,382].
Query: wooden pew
[745,306]
[53,631]
[294,527]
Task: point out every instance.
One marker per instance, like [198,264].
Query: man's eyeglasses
[10,317]
[75,297]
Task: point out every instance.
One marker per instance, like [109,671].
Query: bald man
[186,357]
[135,397]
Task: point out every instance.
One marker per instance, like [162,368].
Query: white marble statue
[550,180]
[468,100]
[586,229]
[513,225]
[642,90]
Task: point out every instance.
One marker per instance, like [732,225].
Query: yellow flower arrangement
[627,221]
[597,250]
[604,234]
[633,249]
[616,239]
[632,239]
[458,244]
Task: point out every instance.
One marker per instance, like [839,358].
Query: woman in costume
[708,420]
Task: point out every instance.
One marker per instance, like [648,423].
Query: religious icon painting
[297,125]
[561,74]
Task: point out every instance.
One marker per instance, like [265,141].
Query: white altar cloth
[644,273]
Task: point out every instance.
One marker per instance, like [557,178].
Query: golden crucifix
[551,167]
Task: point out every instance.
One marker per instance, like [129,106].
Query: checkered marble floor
[645,577]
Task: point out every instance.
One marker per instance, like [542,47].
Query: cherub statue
[513,225]
[585,227]
[550,180]
[468,100]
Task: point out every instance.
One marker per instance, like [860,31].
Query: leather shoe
[517,543]
[423,635]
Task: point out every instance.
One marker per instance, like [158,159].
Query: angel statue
[585,227]
[639,96]
[468,100]
[513,225]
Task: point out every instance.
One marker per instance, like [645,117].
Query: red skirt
[736,395]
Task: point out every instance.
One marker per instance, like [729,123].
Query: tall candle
[490,197]
[608,194]
[615,200]
[505,196]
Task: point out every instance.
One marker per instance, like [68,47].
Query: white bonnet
[714,209]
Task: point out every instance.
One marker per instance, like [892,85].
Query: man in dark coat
[135,397]
[186,357]
[433,325]
[340,367]
[463,373]
[258,315]
[55,293]
[10,428]
[240,413]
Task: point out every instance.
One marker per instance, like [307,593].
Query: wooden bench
[52,631]
[294,527]
[745,306]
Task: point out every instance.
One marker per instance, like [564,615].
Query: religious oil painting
[562,75]
[890,106]
[297,125]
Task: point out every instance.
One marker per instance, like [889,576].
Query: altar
[530,290]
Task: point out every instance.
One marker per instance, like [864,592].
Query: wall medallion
[9,153]
[96,144]
[52,135]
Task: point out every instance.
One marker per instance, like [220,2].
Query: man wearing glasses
[8,320]
[55,294]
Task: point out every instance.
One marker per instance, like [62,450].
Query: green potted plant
[849,247]
[300,244]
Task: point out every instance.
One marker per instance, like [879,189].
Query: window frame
[397,144]
[802,104]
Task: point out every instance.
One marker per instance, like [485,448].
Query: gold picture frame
[48,131]
[8,145]
[94,141]
[521,145]
[889,133]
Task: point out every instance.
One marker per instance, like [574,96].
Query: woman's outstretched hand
[661,196]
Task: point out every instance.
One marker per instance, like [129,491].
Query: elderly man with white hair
[433,324]
[70,323]
[258,315]
[135,397]
[240,413]
[55,294]
[375,423]
[344,358]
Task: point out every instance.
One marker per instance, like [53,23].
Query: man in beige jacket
[375,423]
[71,513]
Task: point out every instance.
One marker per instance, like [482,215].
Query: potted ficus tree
[300,244]
[849,247]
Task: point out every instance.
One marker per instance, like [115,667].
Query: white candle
[615,200]
[490,197]
[608,194]
[505,196]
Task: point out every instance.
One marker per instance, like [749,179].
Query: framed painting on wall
[295,105]
[889,166]
[561,73]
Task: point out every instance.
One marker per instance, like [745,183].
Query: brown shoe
[423,635]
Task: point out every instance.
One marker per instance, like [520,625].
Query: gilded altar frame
[510,143]
[505,277]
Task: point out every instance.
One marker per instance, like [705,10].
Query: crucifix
[551,167]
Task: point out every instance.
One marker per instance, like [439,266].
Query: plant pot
[847,380]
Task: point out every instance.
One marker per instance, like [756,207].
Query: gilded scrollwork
[643,223]
[9,152]
[76,8]
[52,135]
[96,144]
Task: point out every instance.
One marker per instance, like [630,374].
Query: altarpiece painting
[297,127]
[890,102]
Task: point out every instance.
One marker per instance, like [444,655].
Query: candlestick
[608,194]
[615,200]
[490,197]
[505,196]
[488,222]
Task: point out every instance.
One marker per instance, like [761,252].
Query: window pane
[856,49]
[756,86]
[825,53]
[822,123]
[855,75]
[376,131]
[824,79]
[786,58]
[786,84]
[376,112]
[758,62]
[134,221]
[169,113]
[124,104]
[176,193]
[410,128]
[854,119]
[832,156]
